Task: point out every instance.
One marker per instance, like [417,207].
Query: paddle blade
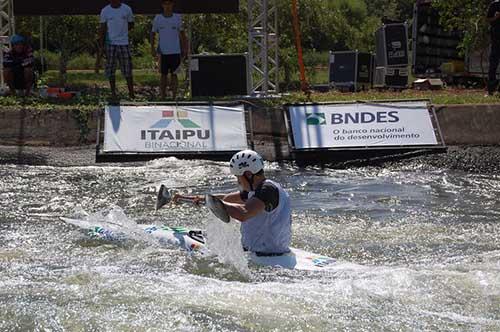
[164,197]
[216,206]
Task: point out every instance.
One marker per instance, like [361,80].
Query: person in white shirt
[116,20]
[172,45]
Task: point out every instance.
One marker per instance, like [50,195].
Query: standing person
[18,66]
[261,205]
[116,21]
[172,45]
[493,17]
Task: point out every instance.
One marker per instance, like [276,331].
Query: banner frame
[430,108]
[125,156]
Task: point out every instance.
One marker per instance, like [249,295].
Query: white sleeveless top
[269,232]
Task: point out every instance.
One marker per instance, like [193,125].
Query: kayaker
[261,205]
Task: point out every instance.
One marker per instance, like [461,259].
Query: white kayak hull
[297,259]
[192,240]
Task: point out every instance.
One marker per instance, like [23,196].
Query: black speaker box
[219,75]
[433,45]
[392,45]
[391,77]
[350,69]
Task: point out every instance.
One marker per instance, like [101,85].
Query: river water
[417,249]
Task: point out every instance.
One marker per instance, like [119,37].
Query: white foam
[224,240]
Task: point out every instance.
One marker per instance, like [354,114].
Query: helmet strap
[250,181]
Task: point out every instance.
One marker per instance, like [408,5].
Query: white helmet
[247,160]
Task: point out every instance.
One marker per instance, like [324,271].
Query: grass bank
[95,93]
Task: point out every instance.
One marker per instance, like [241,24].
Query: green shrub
[314,58]
[143,59]
[82,61]
[51,59]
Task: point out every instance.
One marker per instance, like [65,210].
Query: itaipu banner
[174,129]
[361,125]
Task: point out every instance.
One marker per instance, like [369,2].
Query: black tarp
[93,7]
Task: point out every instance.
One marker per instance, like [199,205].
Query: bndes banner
[174,128]
[361,125]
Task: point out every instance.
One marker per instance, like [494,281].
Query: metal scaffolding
[263,46]
[7,29]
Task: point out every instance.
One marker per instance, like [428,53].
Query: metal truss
[7,28]
[263,46]
[6,17]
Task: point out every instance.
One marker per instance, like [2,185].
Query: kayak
[193,240]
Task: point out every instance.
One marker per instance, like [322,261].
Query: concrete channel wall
[47,127]
[460,125]
[470,124]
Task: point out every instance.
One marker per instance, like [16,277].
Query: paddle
[214,204]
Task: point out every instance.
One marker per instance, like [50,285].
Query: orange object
[298,45]
[54,92]
[65,95]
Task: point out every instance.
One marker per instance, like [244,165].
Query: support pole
[298,45]
[263,46]
[42,44]
[7,29]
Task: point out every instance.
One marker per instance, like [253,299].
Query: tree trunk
[63,68]
[98,62]
[98,58]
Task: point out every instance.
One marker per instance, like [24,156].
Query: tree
[70,35]
[468,16]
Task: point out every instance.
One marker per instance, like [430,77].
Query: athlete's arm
[243,212]
[229,198]
[200,199]
[232,198]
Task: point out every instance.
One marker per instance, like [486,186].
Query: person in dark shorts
[172,46]
[116,20]
[493,17]
[18,66]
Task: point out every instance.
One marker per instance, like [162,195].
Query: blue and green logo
[316,119]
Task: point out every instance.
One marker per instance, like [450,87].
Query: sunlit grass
[444,97]
[94,89]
